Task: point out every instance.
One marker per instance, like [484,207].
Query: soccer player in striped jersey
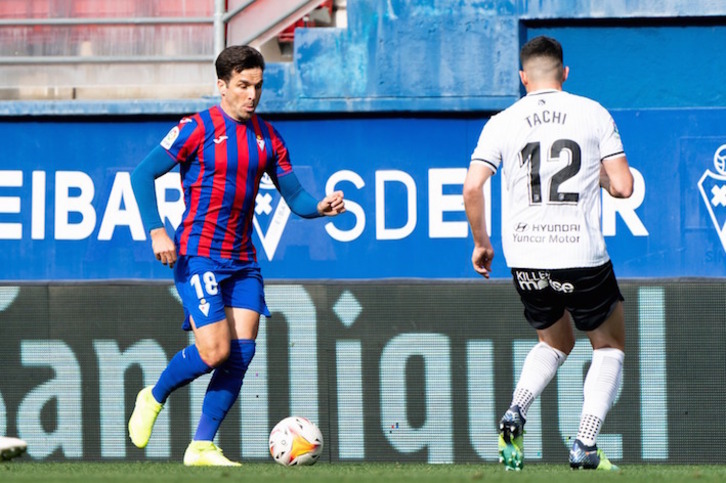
[555,151]
[223,153]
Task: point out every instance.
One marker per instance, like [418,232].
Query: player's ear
[565,73]
[523,77]
[222,86]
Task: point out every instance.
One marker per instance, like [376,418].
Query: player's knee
[215,355]
[613,343]
[567,347]
[563,343]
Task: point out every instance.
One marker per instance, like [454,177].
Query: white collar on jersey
[543,91]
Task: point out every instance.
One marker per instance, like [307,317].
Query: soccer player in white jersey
[555,151]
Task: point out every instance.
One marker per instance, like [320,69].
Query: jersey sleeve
[184,139]
[156,163]
[300,201]
[611,146]
[487,152]
[281,164]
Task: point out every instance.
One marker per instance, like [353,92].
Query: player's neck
[543,86]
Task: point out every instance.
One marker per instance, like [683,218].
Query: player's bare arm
[481,257]
[616,178]
[332,205]
[163,246]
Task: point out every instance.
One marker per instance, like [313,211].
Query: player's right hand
[163,246]
[481,259]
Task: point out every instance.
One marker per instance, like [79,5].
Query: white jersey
[549,146]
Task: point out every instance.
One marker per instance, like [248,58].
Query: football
[296,441]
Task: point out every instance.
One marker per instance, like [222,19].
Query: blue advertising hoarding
[67,211]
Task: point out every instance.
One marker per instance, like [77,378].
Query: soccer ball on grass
[296,441]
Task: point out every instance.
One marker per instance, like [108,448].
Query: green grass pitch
[28,471]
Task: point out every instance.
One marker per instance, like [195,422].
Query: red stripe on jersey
[243,160]
[192,141]
[195,189]
[218,184]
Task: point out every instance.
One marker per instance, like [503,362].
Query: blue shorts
[207,286]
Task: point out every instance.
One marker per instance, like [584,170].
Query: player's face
[241,94]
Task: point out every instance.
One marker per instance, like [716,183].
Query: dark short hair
[237,58]
[541,46]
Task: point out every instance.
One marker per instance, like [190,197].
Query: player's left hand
[332,205]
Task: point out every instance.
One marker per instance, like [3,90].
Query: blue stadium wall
[380,331]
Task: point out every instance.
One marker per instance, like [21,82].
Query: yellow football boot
[143,418]
[206,453]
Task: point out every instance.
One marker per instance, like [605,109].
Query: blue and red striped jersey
[221,162]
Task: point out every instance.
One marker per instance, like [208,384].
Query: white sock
[539,368]
[601,386]
[589,429]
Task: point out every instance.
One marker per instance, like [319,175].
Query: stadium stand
[129,49]
[321,16]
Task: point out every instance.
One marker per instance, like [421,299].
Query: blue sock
[183,368]
[224,387]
